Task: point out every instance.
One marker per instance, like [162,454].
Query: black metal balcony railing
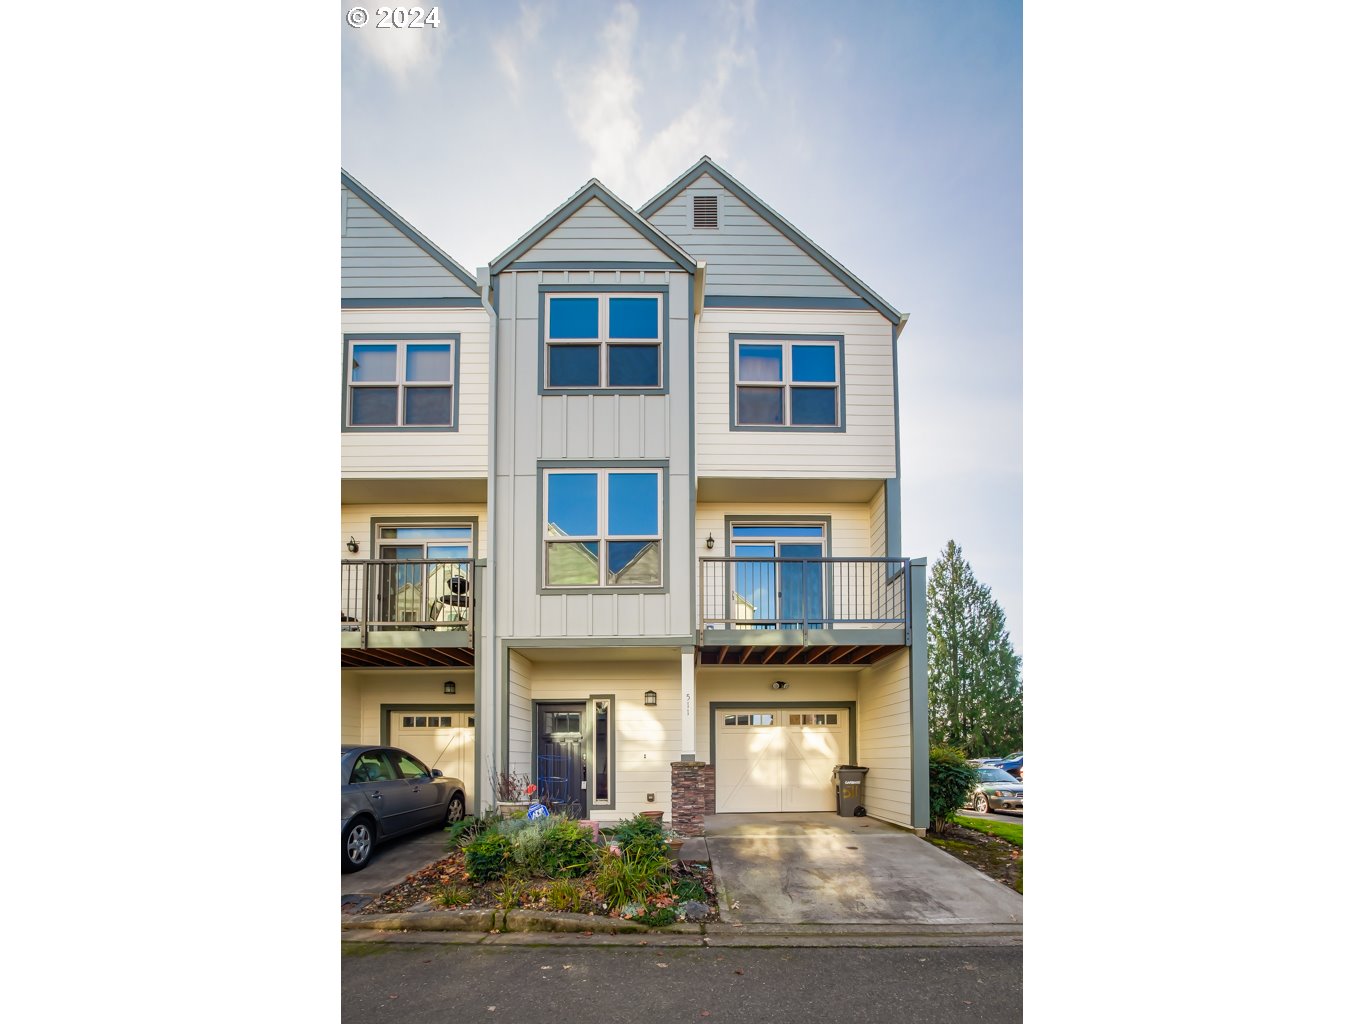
[406,594]
[746,593]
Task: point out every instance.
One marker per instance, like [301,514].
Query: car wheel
[455,809]
[357,845]
[980,803]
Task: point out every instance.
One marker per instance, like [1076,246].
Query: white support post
[689,704]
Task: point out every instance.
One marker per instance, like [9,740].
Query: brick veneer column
[694,795]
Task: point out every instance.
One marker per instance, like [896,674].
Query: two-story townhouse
[694,597]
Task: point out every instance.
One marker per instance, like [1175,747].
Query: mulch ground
[990,855]
[421,889]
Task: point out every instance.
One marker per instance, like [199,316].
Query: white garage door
[439,739]
[778,759]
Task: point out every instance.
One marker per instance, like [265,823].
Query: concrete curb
[524,927]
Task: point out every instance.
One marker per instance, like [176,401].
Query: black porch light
[450,686]
[651,698]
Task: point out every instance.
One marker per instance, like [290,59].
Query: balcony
[398,613]
[801,611]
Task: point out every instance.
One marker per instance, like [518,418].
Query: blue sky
[890,134]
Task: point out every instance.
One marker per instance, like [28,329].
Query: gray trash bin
[848,790]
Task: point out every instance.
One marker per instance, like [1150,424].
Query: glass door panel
[802,589]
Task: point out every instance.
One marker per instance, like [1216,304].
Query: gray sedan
[386,792]
[997,790]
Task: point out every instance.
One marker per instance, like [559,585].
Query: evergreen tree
[975,695]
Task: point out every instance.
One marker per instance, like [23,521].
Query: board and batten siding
[647,738]
[462,452]
[866,447]
[380,262]
[746,255]
[535,430]
[356,522]
[884,737]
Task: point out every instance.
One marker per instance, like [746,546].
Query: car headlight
[998,792]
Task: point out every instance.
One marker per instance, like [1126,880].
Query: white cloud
[600,102]
[509,49]
[404,54]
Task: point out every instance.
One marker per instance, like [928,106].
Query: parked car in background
[996,790]
[1014,764]
[386,792]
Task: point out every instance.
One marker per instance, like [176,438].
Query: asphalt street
[411,983]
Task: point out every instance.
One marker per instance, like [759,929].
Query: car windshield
[994,775]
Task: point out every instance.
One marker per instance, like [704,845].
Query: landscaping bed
[988,846]
[555,866]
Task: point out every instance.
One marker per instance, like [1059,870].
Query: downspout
[488,657]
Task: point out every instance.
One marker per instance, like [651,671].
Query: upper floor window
[400,381]
[787,383]
[603,528]
[604,341]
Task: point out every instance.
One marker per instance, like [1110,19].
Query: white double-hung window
[400,381]
[793,383]
[603,528]
[603,342]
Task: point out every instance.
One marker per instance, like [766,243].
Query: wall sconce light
[450,686]
[710,542]
[352,546]
[651,698]
[779,685]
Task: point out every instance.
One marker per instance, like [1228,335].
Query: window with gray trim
[786,383]
[587,510]
[596,341]
[400,382]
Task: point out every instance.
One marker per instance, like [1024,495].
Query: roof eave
[708,166]
[593,189]
[416,237]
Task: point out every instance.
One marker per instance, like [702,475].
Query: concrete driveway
[824,869]
[392,863]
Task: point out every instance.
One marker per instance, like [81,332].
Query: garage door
[778,759]
[439,739]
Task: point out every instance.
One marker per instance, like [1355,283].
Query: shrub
[630,878]
[951,780]
[568,849]
[640,835]
[462,832]
[488,855]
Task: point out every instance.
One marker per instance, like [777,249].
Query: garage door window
[818,719]
[428,721]
[757,719]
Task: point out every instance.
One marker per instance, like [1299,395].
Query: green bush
[640,835]
[951,780]
[462,832]
[657,917]
[488,855]
[631,877]
[568,849]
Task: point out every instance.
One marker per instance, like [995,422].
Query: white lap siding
[884,738]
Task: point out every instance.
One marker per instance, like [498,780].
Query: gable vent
[706,211]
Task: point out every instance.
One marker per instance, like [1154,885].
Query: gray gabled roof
[707,166]
[594,189]
[416,237]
